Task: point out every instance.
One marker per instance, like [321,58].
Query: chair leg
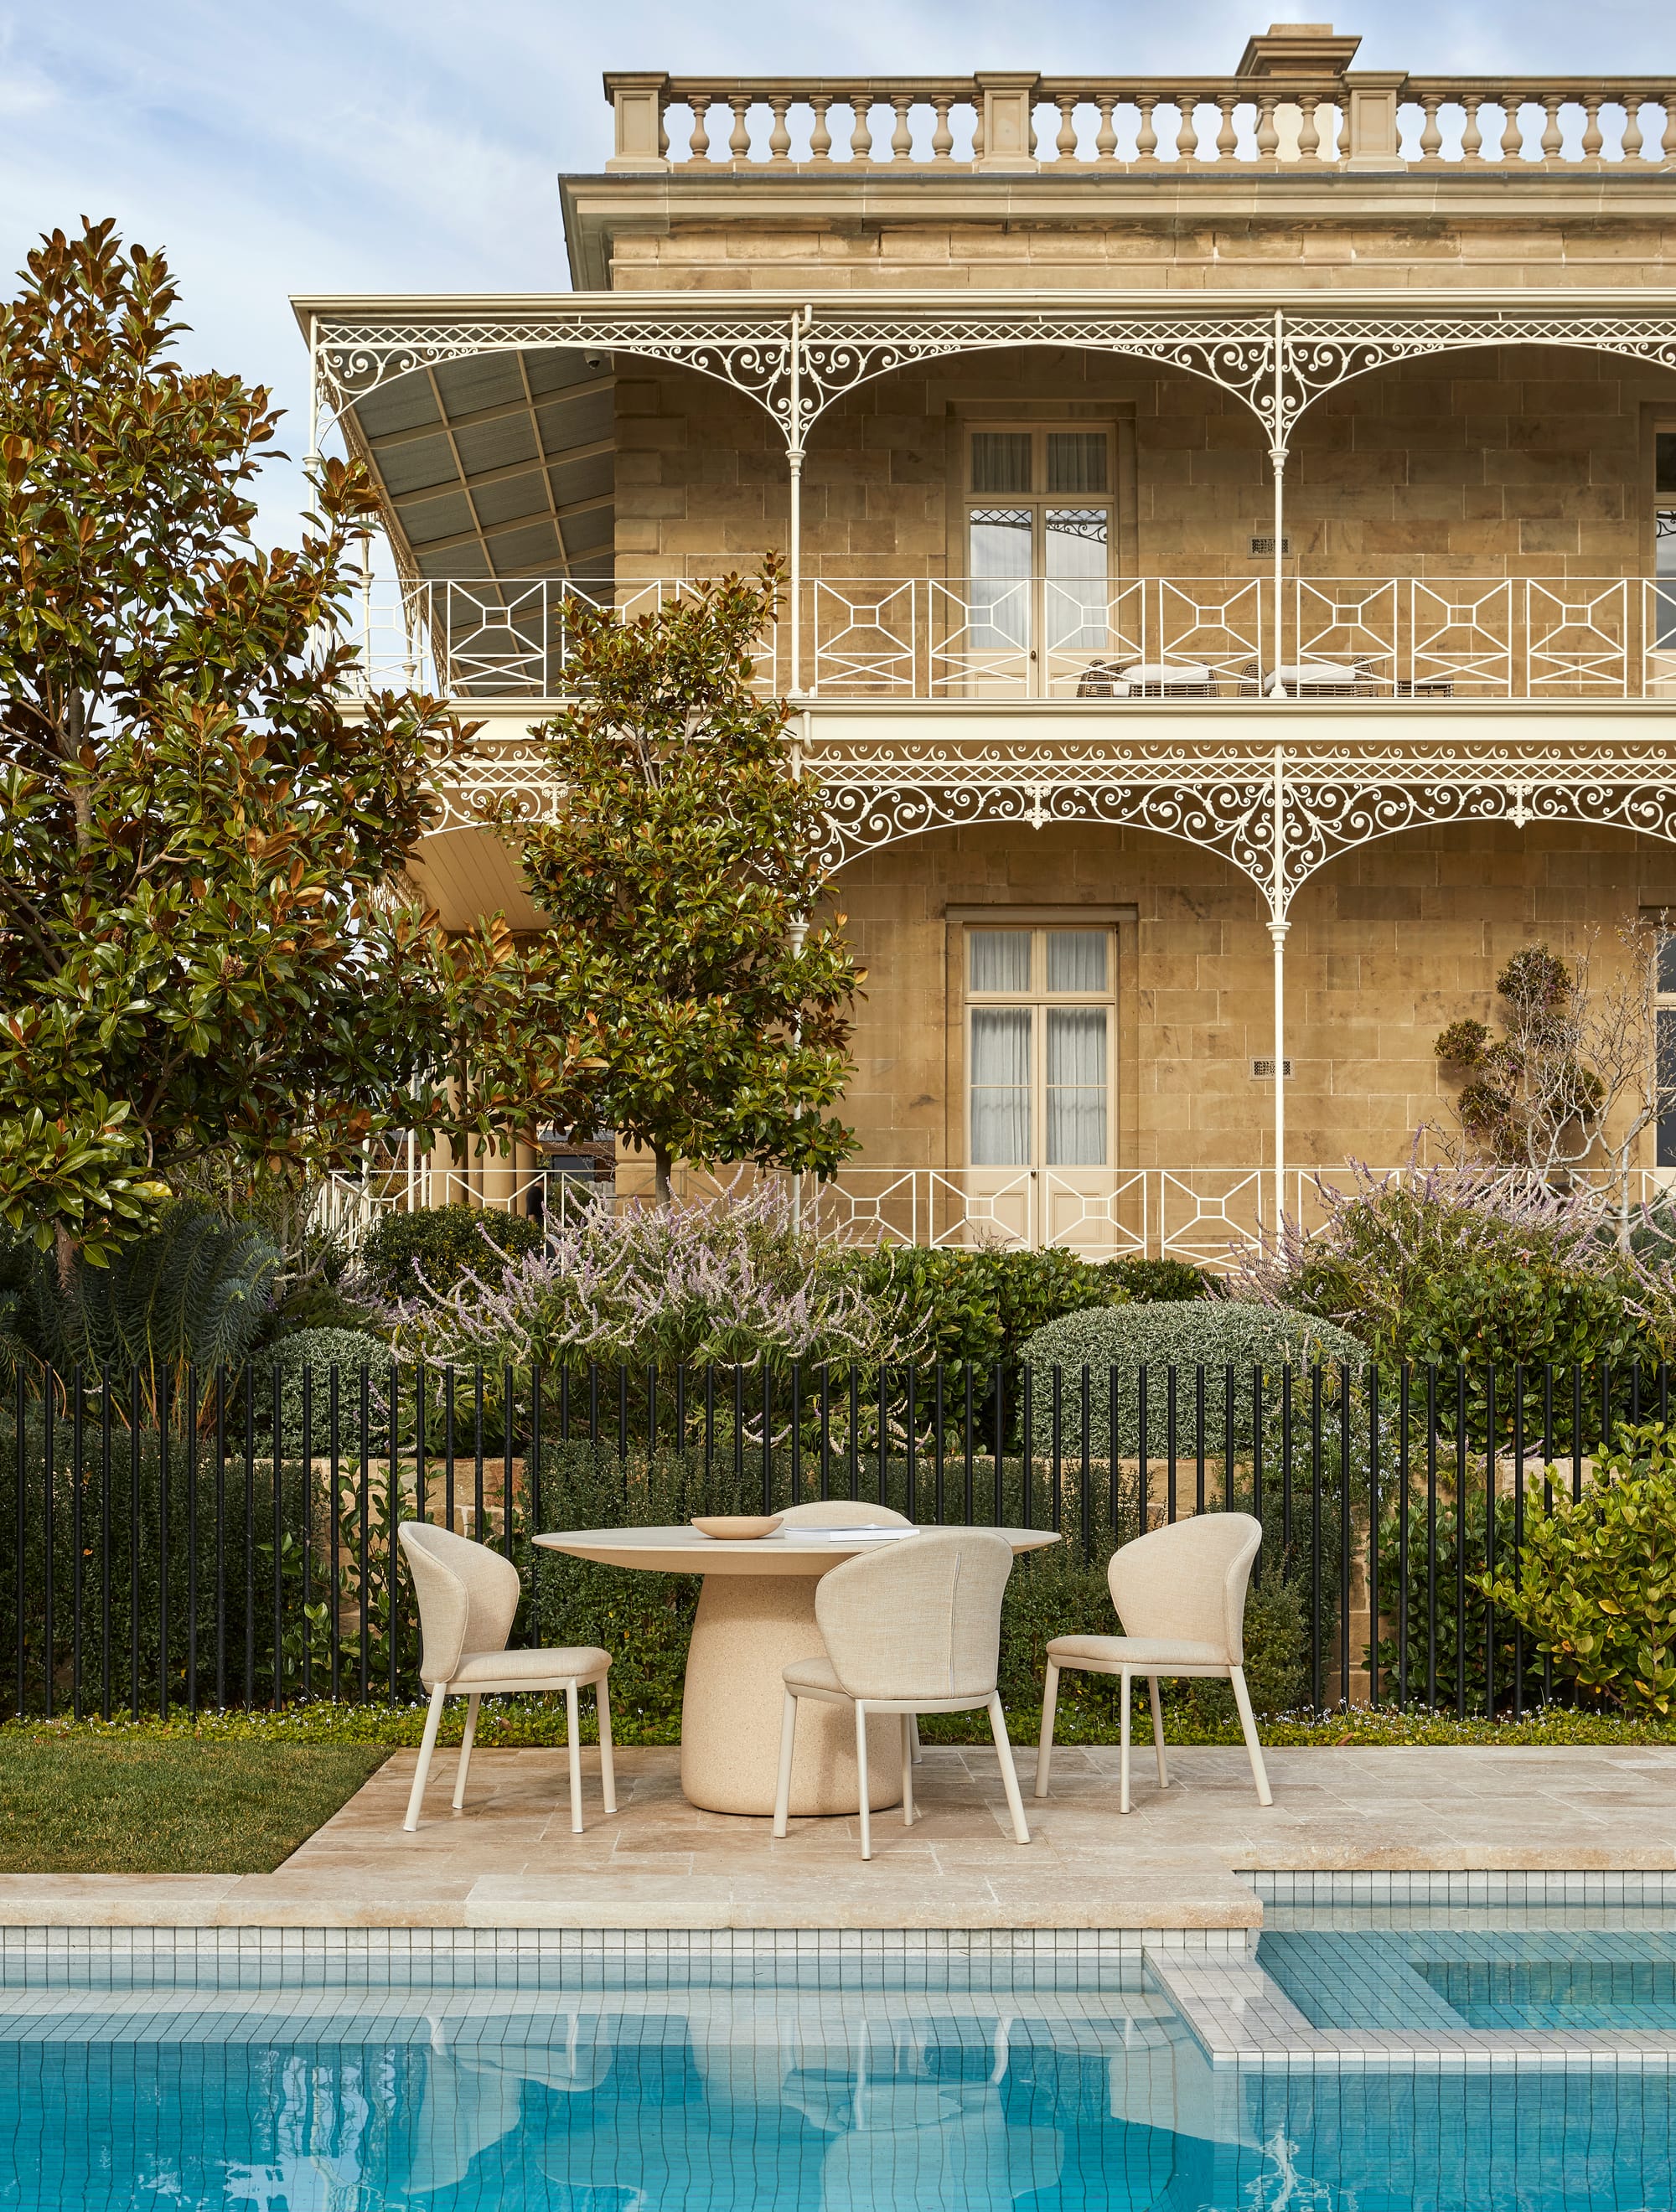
[1123,1749]
[997,1722]
[782,1788]
[913,1733]
[907,1769]
[861,1776]
[1249,1726]
[1158,1731]
[465,1743]
[573,1714]
[607,1765]
[427,1744]
[1044,1751]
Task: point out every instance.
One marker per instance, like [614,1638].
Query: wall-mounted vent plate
[1262,1071]
[1262,548]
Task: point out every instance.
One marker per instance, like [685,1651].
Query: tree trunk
[662,1161]
[67,1253]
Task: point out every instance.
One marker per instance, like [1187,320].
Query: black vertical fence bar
[1403,1417]
[194,1405]
[938,1484]
[75,1531]
[853,1444]
[1548,1457]
[795,1415]
[1199,1437]
[249,1538]
[767,1437]
[967,1453]
[1372,1532]
[135,1415]
[1169,1446]
[363,1525]
[1577,1431]
[1315,1534]
[50,1551]
[1346,1534]
[1086,1479]
[392,1507]
[884,1438]
[1286,1464]
[825,1490]
[220,1531]
[1431,1533]
[477,1453]
[537,1520]
[1000,1437]
[418,1450]
[1518,1532]
[276,1439]
[1026,1399]
[1228,1438]
[1141,1445]
[333,1534]
[623,1419]
[508,1432]
[20,1532]
[911,1418]
[1462,1478]
[1257,1411]
[307,1463]
[163,1417]
[1055,1504]
[1112,1463]
[448,1448]
[1489,1539]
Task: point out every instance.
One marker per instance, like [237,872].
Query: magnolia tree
[681,881]
[1576,1076]
[206,948]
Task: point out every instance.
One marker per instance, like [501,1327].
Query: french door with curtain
[1041,1045]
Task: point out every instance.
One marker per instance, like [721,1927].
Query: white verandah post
[1278,926]
[1278,470]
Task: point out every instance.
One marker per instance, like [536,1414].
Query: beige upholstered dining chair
[914,1628]
[1180,1596]
[468,1597]
[850,1513]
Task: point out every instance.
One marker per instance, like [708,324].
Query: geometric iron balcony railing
[1416,640]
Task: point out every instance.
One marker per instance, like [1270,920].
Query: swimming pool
[782,2080]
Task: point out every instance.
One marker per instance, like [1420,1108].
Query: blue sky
[412,145]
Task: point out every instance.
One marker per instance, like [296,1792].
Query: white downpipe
[800,321]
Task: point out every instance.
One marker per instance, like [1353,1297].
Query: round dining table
[757,1617]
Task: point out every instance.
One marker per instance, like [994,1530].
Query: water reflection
[794,2101]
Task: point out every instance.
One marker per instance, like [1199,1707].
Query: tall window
[1039,534]
[1664,533]
[1039,1035]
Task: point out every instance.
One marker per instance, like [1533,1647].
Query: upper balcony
[1098,646]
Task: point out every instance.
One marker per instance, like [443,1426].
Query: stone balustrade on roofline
[1293,100]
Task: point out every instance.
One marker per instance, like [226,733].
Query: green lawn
[79,1805]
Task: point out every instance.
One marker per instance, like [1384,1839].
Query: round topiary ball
[1118,1344]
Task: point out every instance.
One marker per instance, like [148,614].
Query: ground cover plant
[152,1802]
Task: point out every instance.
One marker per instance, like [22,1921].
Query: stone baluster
[861,133]
[1186,135]
[780,138]
[942,138]
[1065,145]
[1550,129]
[1591,140]
[1471,140]
[1501,113]
[1309,131]
[1105,139]
[663,128]
[902,137]
[738,144]
[698,146]
[820,138]
[1666,129]
[1631,126]
[1146,139]
[977,126]
[1432,136]
[1228,136]
[1268,138]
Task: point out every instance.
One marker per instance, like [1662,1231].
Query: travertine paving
[509,1859]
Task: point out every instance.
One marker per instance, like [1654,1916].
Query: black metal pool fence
[192,1542]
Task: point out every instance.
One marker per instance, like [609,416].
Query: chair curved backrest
[1188,1581]
[840,1513]
[921,1617]
[468,1596]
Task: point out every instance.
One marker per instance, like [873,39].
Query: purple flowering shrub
[731,1281]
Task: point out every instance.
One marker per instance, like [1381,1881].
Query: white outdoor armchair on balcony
[1180,1595]
[914,1629]
[1146,680]
[468,1598]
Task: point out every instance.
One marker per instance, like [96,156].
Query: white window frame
[1040,1001]
[1039,501]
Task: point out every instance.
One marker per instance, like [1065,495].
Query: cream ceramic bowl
[736,1528]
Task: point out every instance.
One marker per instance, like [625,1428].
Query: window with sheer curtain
[1040,1017]
[1039,536]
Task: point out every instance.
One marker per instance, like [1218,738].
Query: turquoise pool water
[778,2098]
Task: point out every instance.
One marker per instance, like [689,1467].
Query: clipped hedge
[443,1242]
[1118,1344]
